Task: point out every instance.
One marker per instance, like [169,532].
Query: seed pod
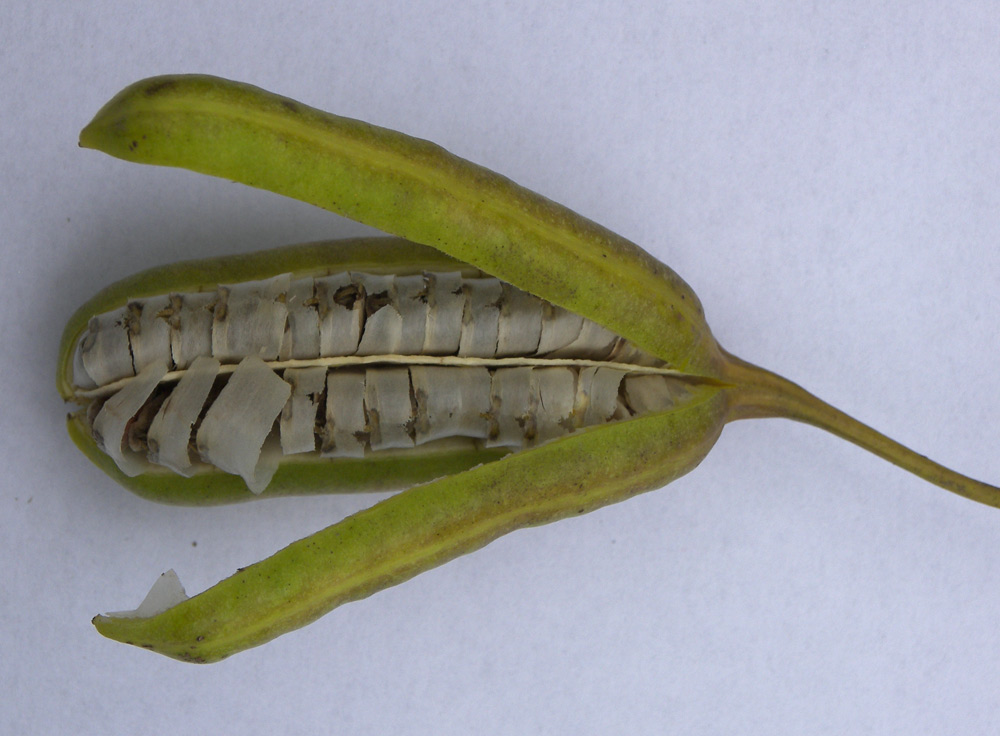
[533,363]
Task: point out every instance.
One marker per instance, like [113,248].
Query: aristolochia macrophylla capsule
[506,360]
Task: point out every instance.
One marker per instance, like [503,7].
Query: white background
[826,176]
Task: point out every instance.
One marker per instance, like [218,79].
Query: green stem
[758,393]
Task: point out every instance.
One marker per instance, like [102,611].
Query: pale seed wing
[170,431]
[112,420]
[233,431]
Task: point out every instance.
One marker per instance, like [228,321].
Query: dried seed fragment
[301,340]
[149,333]
[510,401]
[346,433]
[387,400]
[445,307]
[169,434]
[298,417]
[593,343]
[450,402]
[340,304]
[646,393]
[481,318]
[104,349]
[250,319]
[112,420]
[166,593]
[383,327]
[233,431]
[597,394]
[560,327]
[191,326]
[519,326]
[553,396]
[411,302]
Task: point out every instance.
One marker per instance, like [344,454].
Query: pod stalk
[757,393]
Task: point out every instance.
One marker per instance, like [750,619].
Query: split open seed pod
[505,360]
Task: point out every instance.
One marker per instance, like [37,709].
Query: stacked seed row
[337,315]
[350,412]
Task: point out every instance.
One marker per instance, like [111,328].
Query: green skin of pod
[417,190]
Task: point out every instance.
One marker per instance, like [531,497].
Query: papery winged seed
[301,340]
[481,318]
[560,327]
[234,429]
[170,431]
[411,301]
[510,400]
[149,333]
[340,304]
[519,325]
[104,348]
[445,308]
[346,425]
[250,319]
[298,417]
[553,396]
[387,400]
[191,326]
[383,325]
[112,420]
